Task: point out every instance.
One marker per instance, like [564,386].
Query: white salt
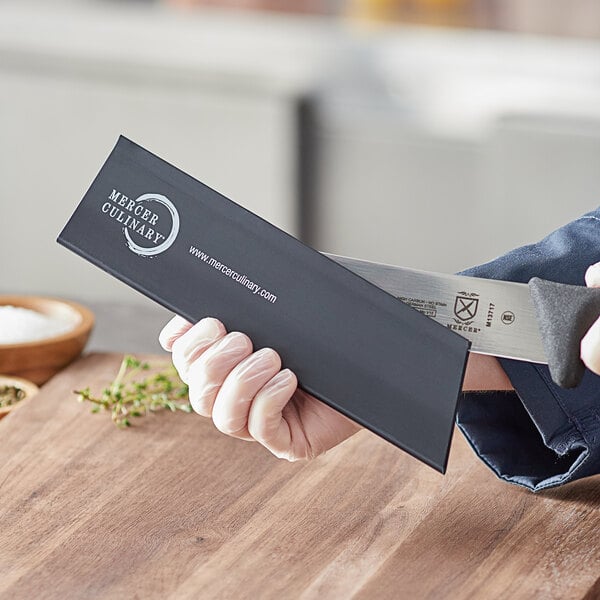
[18,325]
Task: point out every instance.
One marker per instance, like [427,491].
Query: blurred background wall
[434,134]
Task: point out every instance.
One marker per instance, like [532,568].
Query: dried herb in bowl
[138,390]
[11,394]
[13,390]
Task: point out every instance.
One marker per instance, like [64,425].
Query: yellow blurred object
[374,10]
[441,4]
[431,12]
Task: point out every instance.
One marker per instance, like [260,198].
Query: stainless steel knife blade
[498,317]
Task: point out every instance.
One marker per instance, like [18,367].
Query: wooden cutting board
[171,508]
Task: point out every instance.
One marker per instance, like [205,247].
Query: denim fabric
[541,436]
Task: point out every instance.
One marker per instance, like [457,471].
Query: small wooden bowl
[41,359]
[29,388]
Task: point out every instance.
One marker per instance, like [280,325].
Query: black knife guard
[564,314]
[352,345]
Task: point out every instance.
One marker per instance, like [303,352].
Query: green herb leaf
[126,397]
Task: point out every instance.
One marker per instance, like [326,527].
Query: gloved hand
[590,344]
[246,393]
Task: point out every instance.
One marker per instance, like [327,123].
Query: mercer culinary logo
[150,222]
[465,307]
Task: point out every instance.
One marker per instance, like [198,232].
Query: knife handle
[564,314]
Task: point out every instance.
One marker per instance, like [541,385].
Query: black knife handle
[564,314]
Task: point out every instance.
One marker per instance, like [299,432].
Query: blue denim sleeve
[541,435]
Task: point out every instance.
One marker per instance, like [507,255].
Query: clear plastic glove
[590,344]
[246,393]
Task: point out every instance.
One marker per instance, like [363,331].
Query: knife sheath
[353,346]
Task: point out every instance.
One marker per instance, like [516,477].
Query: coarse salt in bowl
[40,336]
[18,325]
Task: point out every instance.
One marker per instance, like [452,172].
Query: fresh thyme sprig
[126,397]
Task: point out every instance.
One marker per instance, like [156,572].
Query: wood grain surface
[171,508]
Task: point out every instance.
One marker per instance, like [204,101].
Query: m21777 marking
[490,314]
